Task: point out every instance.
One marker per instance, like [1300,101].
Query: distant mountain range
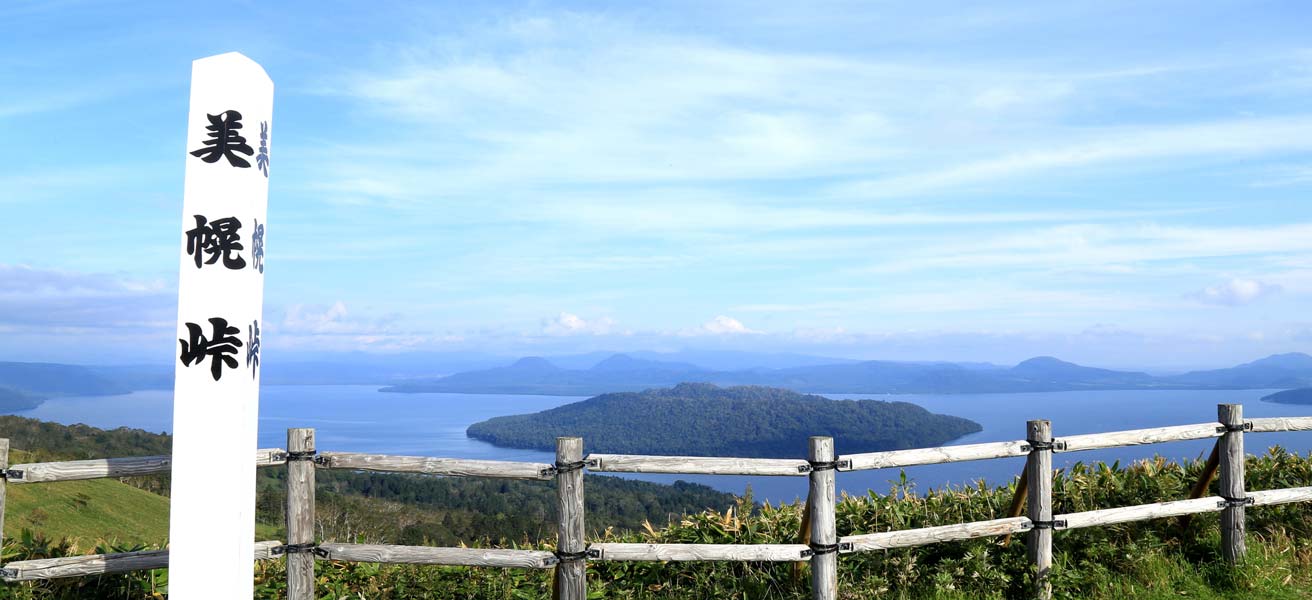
[25,385]
[621,373]
[591,374]
[14,400]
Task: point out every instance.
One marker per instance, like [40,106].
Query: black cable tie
[1054,524]
[1245,426]
[823,465]
[1235,502]
[8,573]
[306,548]
[308,455]
[819,549]
[1030,445]
[573,556]
[15,474]
[560,468]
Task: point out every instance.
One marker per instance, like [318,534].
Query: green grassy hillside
[87,511]
[391,508]
[1155,560]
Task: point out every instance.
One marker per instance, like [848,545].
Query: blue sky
[1114,183]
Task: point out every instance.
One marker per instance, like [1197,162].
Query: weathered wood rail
[823,547]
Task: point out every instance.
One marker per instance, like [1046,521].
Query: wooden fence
[573,553]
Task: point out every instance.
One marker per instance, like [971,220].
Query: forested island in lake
[1297,396]
[698,419]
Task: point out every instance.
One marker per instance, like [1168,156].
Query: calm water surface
[361,419]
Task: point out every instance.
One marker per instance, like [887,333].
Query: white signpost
[220,296]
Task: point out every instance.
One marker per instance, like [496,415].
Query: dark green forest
[52,441]
[426,510]
[390,508]
[698,419]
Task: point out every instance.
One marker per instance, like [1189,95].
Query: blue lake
[361,419]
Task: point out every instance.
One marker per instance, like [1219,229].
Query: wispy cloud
[1125,147]
[335,328]
[1285,175]
[50,301]
[577,98]
[681,212]
[1236,292]
[721,325]
[74,181]
[447,182]
[1070,246]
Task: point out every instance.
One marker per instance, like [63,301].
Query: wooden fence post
[1231,453]
[571,574]
[300,513]
[824,534]
[1038,470]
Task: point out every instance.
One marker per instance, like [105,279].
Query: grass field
[88,511]
[96,509]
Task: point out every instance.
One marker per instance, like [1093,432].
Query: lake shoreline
[435,425]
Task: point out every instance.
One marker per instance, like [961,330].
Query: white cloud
[300,318]
[336,328]
[1236,292]
[722,325]
[571,324]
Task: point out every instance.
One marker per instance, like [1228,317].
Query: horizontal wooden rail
[455,467]
[699,465]
[73,470]
[1138,437]
[1284,496]
[933,535]
[1141,512]
[930,456]
[269,457]
[423,555]
[699,552]
[630,463]
[1281,424]
[102,564]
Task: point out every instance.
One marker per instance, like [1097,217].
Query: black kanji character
[219,239]
[195,350]
[224,140]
